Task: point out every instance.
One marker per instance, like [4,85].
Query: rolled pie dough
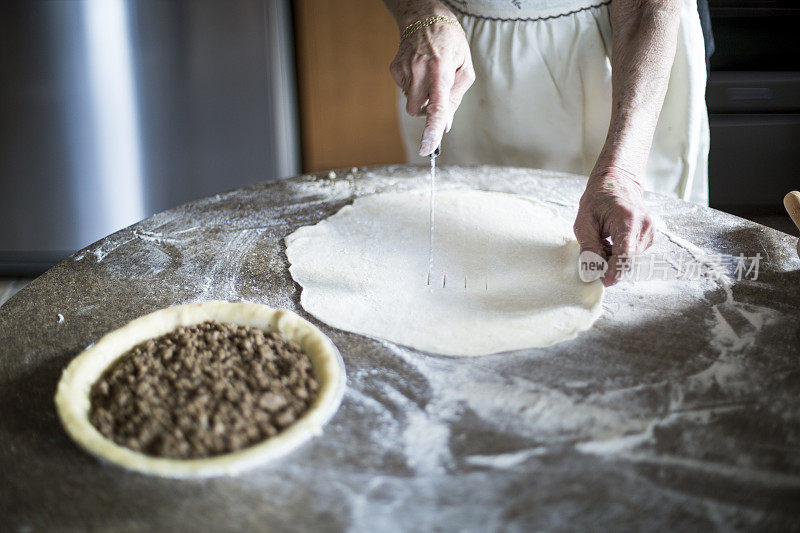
[72,395]
[505,272]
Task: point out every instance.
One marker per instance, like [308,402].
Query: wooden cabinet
[347,99]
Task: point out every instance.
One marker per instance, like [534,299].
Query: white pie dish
[72,395]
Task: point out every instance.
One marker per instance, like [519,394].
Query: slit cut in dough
[505,273]
[72,395]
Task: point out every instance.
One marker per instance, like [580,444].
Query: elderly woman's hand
[433,67]
[611,207]
[644,43]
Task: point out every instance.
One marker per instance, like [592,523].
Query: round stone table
[678,409]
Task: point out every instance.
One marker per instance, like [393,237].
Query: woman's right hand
[433,67]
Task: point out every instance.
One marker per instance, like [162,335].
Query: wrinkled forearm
[644,41]
[406,12]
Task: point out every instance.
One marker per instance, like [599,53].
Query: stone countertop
[679,408]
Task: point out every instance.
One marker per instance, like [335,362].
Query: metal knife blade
[433,157]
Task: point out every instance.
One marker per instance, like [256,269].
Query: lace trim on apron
[519,10]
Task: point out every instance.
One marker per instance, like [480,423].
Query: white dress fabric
[542,94]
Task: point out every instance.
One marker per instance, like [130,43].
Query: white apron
[542,97]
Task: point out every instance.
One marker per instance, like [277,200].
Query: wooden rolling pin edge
[792,204]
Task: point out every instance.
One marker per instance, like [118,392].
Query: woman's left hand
[611,207]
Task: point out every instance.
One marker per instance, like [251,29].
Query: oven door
[753,101]
[755,140]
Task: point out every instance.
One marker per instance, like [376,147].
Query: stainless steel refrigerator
[112,110]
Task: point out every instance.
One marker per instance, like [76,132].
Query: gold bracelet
[414,26]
